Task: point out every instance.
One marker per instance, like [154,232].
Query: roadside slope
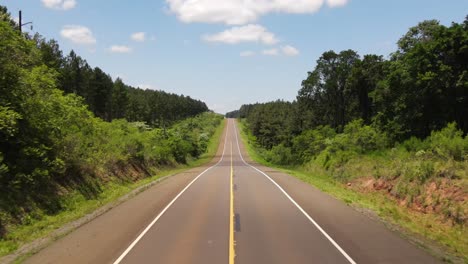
[364,239]
[104,238]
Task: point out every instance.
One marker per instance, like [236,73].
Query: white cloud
[248,33]
[270,52]
[59,4]
[336,3]
[247,53]
[138,36]
[120,49]
[289,50]
[239,12]
[78,34]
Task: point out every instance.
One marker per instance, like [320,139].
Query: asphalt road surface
[232,211]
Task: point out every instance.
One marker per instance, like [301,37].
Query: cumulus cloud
[78,34]
[59,4]
[240,12]
[138,36]
[289,50]
[120,49]
[247,53]
[248,33]
[270,52]
[336,3]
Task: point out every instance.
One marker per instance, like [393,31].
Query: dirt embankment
[444,197]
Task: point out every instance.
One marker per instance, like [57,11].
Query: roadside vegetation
[71,139]
[389,135]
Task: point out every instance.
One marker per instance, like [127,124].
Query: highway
[232,211]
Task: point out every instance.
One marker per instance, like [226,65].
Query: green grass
[78,206]
[445,241]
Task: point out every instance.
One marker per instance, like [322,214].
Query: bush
[51,144]
[332,158]
[414,144]
[449,143]
[311,142]
[362,138]
[418,171]
[280,155]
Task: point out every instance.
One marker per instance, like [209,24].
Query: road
[232,211]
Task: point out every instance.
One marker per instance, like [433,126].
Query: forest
[68,130]
[395,125]
[421,88]
[110,99]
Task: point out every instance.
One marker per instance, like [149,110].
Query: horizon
[251,53]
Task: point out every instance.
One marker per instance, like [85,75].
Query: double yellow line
[232,253]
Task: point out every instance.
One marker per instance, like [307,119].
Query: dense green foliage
[53,139]
[414,185]
[110,99]
[403,121]
[421,88]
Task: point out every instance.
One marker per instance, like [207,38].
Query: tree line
[67,129]
[400,122]
[112,99]
[109,99]
[422,87]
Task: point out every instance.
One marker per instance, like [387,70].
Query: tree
[426,86]
[6,17]
[324,94]
[363,81]
[271,123]
[51,54]
[120,99]
[101,85]
[76,77]
[52,144]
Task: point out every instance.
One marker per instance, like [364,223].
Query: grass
[447,242]
[78,206]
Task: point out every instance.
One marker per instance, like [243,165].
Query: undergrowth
[419,185]
[141,155]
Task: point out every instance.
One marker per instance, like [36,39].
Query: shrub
[280,155]
[332,158]
[425,170]
[362,138]
[415,144]
[311,142]
[51,144]
[449,142]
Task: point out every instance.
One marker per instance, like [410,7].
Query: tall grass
[419,185]
[123,157]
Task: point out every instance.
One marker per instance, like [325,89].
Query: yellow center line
[232,254]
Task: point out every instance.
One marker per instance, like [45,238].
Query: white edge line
[296,204]
[122,256]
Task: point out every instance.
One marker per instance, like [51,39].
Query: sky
[225,52]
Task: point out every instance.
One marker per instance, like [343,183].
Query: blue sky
[225,52]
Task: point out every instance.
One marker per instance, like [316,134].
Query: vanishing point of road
[232,211]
